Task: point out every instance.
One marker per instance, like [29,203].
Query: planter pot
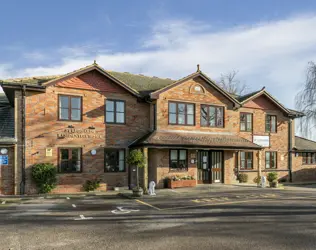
[273,184]
[181,183]
[138,193]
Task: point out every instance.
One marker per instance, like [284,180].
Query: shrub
[257,180]
[91,185]
[44,176]
[243,178]
[273,176]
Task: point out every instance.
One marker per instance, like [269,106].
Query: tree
[306,101]
[232,85]
[136,158]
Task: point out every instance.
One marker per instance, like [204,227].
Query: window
[114,160]
[70,108]
[178,159]
[309,158]
[271,159]
[212,116]
[246,160]
[115,111]
[69,160]
[246,122]
[181,113]
[271,123]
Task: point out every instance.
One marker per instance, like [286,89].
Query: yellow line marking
[147,204]
[212,204]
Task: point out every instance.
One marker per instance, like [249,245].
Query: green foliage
[257,179]
[243,178]
[179,178]
[91,185]
[273,176]
[136,158]
[44,176]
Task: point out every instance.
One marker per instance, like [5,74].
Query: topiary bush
[257,180]
[91,185]
[44,176]
[243,178]
[273,176]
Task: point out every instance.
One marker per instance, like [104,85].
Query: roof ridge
[141,75]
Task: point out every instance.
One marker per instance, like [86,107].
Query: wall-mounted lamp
[91,127]
[70,126]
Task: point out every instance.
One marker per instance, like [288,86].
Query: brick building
[85,123]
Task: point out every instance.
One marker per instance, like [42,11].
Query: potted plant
[273,179]
[136,158]
[242,178]
[183,181]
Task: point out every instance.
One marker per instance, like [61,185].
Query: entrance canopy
[186,139]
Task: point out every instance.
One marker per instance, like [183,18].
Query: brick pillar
[145,171]
[259,163]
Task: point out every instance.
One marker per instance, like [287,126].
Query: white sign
[262,140]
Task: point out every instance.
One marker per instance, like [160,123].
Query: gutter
[22,185]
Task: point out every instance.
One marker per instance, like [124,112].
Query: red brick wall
[302,173]
[42,127]
[7,173]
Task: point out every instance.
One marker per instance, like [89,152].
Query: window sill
[115,124]
[248,170]
[178,170]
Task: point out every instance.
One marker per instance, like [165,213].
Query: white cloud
[272,54]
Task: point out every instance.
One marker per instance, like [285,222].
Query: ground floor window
[114,160]
[246,160]
[271,159]
[178,159]
[309,158]
[69,160]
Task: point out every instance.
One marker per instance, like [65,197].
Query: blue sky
[268,42]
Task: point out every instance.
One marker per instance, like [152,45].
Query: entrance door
[203,167]
[216,166]
[210,167]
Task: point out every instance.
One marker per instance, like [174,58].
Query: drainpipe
[22,185]
[290,150]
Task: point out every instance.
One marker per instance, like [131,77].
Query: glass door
[203,167]
[216,166]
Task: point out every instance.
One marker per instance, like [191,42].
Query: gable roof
[198,73]
[303,144]
[137,84]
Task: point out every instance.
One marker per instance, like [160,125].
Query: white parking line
[3,202]
[67,198]
[73,205]
[83,218]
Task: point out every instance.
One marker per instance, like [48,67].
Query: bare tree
[232,85]
[306,101]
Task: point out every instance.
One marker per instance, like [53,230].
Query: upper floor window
[114,160]
[309,158]
[69,160]
[271,123]
[181,113]
[246,122]
[70,108]
[246,160]
[212,116]
[271,159]
[115,111]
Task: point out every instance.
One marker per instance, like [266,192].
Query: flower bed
[186,181]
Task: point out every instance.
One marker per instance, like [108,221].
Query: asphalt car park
[242,218]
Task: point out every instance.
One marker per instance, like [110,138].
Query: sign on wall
[262,140]
[4,160]
[49,152]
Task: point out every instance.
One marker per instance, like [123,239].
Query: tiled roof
[6,124]
[141,83]
[247,96]
[303,144]
[193,139]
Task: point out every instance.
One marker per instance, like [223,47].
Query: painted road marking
[73,205]
[83,218]
[67,198]
[121,210]
[147,204]
[3,202]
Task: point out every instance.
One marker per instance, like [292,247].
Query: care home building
[87,121]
